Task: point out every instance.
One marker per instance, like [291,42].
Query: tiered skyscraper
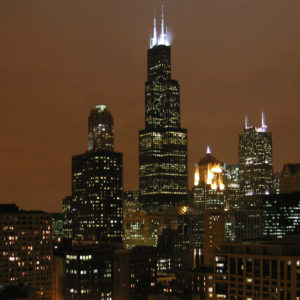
[163,143]
[97,185]
[255,160]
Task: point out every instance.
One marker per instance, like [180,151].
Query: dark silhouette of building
[281,215]
[255,160]
[163,143]
[96,205]
[290,178]
[26,251]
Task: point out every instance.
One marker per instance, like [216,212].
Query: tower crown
[163,38]
[101,129]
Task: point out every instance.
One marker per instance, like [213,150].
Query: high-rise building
[97,185]
[163,143]
[26,250]
[255,160]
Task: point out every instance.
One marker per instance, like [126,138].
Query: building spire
[153,39]
[162,39]
[208,151]
[263,120]
[246,122]
[162,22]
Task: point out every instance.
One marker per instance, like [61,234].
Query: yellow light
[196,178]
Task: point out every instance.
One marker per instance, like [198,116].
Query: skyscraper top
[163,38]
[101,129]
[264,126]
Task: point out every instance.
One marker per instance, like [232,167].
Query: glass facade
[163,143]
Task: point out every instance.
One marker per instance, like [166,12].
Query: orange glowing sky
[59,58]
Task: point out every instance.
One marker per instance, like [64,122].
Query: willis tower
[163,143]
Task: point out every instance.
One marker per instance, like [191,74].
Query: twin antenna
[162,39]
[263,127]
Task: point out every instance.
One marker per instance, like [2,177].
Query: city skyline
[69,63]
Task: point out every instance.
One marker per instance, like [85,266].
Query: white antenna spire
[263,119]
[246,122]
[208,151]
[153,40]
[162,38]
[162,20]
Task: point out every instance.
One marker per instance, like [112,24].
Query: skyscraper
[163,143]
[255,160]
[97,185]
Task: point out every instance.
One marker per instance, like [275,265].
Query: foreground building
[256,160]
[26,250]
[163,143]
[261,270]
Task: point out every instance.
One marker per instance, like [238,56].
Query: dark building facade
[96,205]
[89,273]
[255,160]
[26,257]
[281,215]
[163,143]
[290,178]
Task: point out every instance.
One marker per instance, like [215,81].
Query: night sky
[60,58]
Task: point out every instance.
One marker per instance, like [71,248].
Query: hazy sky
[60,58]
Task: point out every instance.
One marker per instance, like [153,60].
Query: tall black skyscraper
[255,160]
[96,205]
[163,143]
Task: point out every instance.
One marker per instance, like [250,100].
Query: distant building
[255,160]
[209,201]
[290,178]
[232,186]
[208,186]
[57,226]
[68,217]
[96,205]
[163,143]
[26,250]
[257,270]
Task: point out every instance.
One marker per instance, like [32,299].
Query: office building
[26,250]
[255,160]
[257,270]
[163,143]
[96,205]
